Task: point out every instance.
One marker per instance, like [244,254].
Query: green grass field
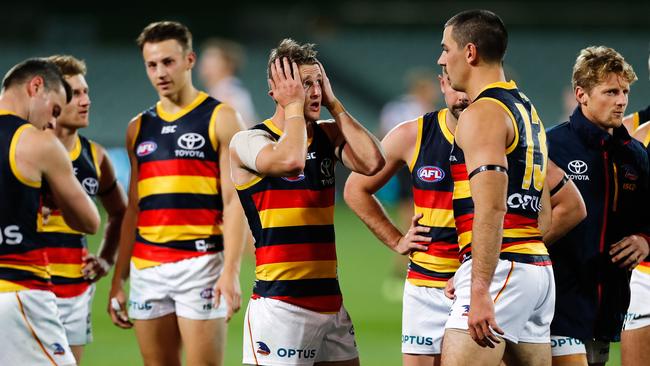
[364,264]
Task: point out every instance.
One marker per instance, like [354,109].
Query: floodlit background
[367,48]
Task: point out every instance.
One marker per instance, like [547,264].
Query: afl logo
[91,185]
[145,148]
[191,141]
[297,178]
[577,167]
[431,174]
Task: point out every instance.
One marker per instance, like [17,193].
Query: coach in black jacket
[592,262]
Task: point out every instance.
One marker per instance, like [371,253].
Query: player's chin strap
[488,167]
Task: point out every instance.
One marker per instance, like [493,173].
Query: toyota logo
[577,167]
[191,141]
[91,185]
[326,167]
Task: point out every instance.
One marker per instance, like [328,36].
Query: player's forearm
[486,247]
[234,234]
[126,243]
[110,243]
[364,149]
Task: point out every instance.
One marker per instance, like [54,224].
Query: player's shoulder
[641,133]
[245,136]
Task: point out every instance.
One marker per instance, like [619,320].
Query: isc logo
[11,235]
[431,174]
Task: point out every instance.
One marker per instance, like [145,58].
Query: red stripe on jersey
[186,167]
[66,255]
[171,216]
[36,257]
[293,198]
[514,221]
[295,253]
[69,290]
[320,304]
[442,249]
[432,199]
[162,254]
[459,172]
[464,223]
[420,276]
[33,284]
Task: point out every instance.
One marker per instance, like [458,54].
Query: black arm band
[559,186]
[340,151]
[109,189]
[485,168]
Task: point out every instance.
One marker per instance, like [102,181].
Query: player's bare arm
[642,133]
[117,308]
[113,199]
[567,206]
[483,132]
[359,192]
[41,154]
[228,122]
[361,150]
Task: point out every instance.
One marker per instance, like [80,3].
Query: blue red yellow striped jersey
[292,221]
[65,246]
[23,259]
[432,197]
[178,184]
[527,157]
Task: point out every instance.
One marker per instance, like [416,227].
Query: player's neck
[175,102]
[482,77]
[67,136]
[11,102]
[451,121]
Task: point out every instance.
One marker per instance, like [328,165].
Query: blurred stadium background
[366,47]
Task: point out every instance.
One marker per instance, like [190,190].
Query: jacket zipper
[604,224]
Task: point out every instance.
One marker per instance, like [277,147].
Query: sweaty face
[75,113]
[452,58]
[312,81]
[169,68]
[456,101]
[45,106]
[605,104]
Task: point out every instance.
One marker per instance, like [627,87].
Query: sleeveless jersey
[644,266]
[292,220]
[432,197]
[527,158]
[65,246]
[178,184]
[23,259]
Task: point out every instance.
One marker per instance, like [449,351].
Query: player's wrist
[335,107]
[294,109]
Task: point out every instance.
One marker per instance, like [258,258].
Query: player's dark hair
[301,54]
[484,29]
[32,67]
[163,31]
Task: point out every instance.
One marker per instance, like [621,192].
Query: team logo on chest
[190,142]
[145,148]
[327,171]
[431,174]
[91,185]
[297,178]
[168,129]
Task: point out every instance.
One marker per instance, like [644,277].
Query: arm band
[109,189]
[559,186]
[340,151]
[248,145]
[485,168]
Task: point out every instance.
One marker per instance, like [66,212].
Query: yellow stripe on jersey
[534,248]
[646,140]
[167,233]
[524,232]
[461,190]
[40,271]
[171,117]
[296,270]
[436,217]
[12,158]
[442,121]
[55,224]
[7,286]
[177,184]
[212,128]
[93,152]
[76,150]
[143,263]
[464,239]
[515,141]
[301,216]
[254,181]
[66,270]
[635,121]
[418,142]
[437,264]
[138,124]
[427,283]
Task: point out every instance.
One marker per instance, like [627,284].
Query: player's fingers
[217,297]
[619,246]
[296,71]
[420,238]
[274,72]
[626,253]
[422,229]
[286,66]
[415,219]
[418,247]
[495,327]
[272,84]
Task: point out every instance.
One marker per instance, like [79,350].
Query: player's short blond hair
[69,65]
[595,63]
[301,54]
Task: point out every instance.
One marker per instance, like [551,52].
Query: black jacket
[611,172]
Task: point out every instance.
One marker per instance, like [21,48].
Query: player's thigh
[527,354]
[78,352]
[353,362]
[458,349]
[159,340]
[203,340]
[634,347]
[420,360]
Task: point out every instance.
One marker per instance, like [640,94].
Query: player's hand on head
[413,240]
[228,287]
[481,321]
[285,83]
[94,267]
[117,307]
[328,94]
[629,251]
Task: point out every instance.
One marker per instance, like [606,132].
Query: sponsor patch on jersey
[91,185]
[297,178]
[263,349]
[431,174]
[145,148]
[191,141]
[58,349]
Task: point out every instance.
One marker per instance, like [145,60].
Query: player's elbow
[292,167]
[372,166]
[351,191]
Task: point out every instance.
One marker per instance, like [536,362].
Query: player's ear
[35,84]
[581,95]
[471,53]
[191,58]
